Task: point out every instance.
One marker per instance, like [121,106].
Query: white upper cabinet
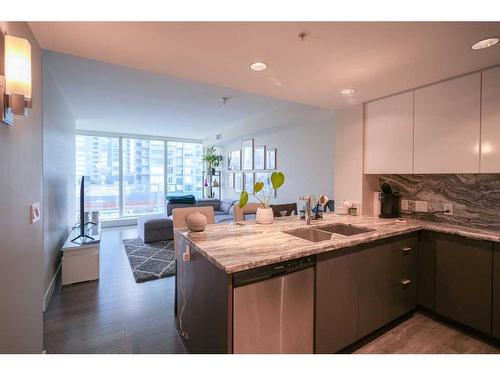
[490,122]
[447,126]
[389,135]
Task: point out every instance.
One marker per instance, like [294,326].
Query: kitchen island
[213,265]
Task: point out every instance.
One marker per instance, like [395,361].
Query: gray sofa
[159,227]
[223,209]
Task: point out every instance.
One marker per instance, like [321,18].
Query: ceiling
[376,58]
[112,98]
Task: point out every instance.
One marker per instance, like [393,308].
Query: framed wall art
[249,180]
[265,177]
[259,157]
[238,182]
[271,158]
[235,160]
[247,155]
[230,180]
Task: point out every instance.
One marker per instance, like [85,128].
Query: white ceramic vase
[264,215]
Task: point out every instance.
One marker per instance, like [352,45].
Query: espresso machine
[389,202]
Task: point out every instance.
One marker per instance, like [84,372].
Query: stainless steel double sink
[326,232]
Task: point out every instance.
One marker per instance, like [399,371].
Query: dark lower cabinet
[496,291]
[404,263]
[374,288]
[336,302]
[426,269]
[464,280]
[361,289]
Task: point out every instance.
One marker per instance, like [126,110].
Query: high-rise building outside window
[141,167]
[184,168]
[143,176]
[98,158]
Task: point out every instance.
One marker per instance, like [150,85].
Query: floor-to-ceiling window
[128,175]
[143,176]
[184,168]
[99,158]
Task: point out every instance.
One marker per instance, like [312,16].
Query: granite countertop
[233,247]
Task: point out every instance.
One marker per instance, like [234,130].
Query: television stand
[80,256]
[83,236]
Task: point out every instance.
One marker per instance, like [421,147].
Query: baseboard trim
[50,290]
[118,222]
[465,329]
[351,348]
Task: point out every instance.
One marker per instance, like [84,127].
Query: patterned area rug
[150,261]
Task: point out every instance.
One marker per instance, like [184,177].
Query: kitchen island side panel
[204,303]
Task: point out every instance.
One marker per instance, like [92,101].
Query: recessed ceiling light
[258,66]
[347,91]
[485,43]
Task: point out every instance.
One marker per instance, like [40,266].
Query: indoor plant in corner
[212,159]
[264,214]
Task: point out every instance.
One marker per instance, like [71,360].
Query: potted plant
[212,160]
[264,214]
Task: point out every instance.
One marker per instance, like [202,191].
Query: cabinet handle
[406,283]
[406,250]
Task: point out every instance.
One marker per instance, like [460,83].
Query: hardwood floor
[117,315]
[423,335]
[114,314]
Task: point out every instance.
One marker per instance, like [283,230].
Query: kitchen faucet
[307,199]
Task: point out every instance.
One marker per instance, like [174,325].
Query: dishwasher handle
[274,270]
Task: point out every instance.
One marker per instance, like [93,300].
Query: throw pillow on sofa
[184,199]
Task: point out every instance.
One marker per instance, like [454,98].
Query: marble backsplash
[475,197]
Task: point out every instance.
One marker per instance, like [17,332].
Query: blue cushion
[186,199]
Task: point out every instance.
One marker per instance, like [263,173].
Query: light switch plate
[448,207]
[35,212]
[421,206]
[404,204]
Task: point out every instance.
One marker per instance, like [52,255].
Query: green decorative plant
[277,180]
[211,158]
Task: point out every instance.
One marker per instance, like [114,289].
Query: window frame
[120,137]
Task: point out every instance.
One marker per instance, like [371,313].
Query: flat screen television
[83,221]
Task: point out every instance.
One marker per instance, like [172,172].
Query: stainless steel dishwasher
[274,308]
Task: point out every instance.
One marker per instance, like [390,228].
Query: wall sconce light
[15,77]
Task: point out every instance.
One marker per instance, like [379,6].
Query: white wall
[21,243]
[58,177]
[350,182]
[305,150]
[349,154]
